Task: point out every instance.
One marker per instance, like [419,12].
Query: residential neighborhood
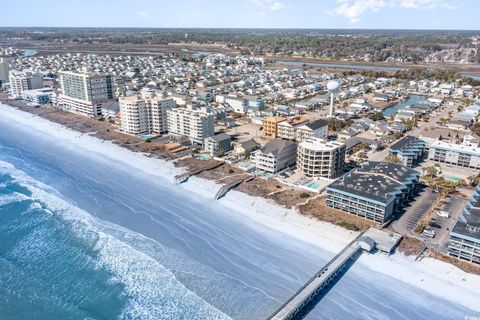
[370,148]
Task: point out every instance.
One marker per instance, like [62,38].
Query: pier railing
[315,276]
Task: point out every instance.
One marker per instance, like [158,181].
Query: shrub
[419,228]
[231,170]
[347,225]
[304,195]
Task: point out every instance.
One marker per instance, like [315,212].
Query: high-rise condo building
[4,70]
[24,80]
[144,115]
[84,93]
[196,123]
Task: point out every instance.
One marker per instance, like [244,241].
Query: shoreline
[447,281]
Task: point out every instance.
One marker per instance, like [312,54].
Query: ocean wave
[153,291]
[12,198]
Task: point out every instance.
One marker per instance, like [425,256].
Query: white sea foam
[443,280]
[153,291]
[12,198]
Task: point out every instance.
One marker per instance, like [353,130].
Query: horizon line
[241,28]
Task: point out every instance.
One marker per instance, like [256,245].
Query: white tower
[332,87]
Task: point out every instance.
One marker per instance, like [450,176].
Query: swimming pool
[453,178]
[202,157]
[314,185]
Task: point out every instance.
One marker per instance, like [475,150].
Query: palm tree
[393,158]
[474,180]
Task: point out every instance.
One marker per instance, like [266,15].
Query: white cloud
[142,13]
[258,2]
[429,4]
[355,9]
[277,6]
[270,4]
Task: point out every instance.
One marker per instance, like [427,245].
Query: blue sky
[382,14]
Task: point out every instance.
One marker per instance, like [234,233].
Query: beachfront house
[317,129]
[218,144]
[245,148]
[277,155]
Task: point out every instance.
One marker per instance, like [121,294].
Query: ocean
[86,236]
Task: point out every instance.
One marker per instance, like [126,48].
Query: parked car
[429,233]
[434,224]
[443,214]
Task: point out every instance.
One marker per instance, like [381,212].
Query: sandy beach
[438,278]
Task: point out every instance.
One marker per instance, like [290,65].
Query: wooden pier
[299,301]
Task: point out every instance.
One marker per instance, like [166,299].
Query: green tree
[393,158]
[377,116]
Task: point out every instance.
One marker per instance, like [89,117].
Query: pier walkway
[224,189]
[181,178]
[298,302]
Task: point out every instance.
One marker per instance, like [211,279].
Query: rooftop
[275,146]
[320,145]
[376,180]
[407,143]
[455,147]
[220,137]
[275,119]
[320,123]
[468,224]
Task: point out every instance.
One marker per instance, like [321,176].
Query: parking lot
[417,209]
[454,207]
[440,225]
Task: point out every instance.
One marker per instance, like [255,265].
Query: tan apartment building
[317,158]
[270,126]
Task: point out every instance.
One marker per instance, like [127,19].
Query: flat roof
[384,241]
[456,147]
[378,181]
[320,145]
[407,143]
[468,224]
[276,119]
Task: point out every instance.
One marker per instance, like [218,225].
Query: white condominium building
[24,80]
[317,158]
[4,70]
[85,92]
[317,129]
[144,115]
[275,156]
[457,154]
[196,123]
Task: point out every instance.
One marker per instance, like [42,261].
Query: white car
[443,214]
[429,233]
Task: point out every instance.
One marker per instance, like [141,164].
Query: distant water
[472,76]
[29,52]
[85,237]
[412,99]
[339,66]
